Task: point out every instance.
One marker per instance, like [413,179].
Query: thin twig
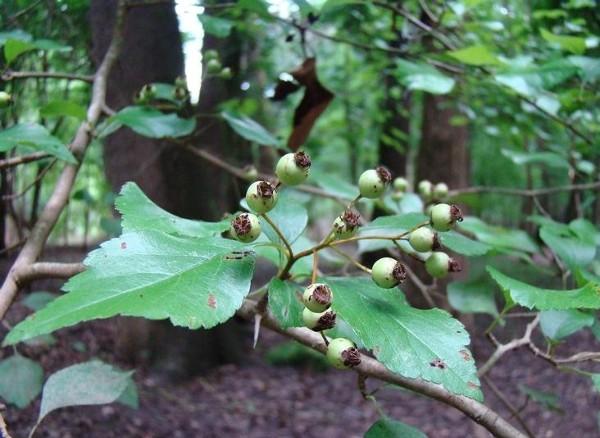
[9,75]
[525,192]
[23,159]
[37,179]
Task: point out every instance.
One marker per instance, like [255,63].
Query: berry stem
[324,338]
[315,267]
[351,260]
[290,253]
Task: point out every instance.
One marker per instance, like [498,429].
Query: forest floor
[262,400]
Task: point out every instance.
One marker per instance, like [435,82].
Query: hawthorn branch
[370,367]
[23,159]
[40,270]
[60,196]
[10,75]
[526,192]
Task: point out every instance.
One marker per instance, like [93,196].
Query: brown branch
[506,402]
[3,432]
[23,159]
[370,367]
[60,196]
[40,270]
[10,75]
[37,179]
[525,192]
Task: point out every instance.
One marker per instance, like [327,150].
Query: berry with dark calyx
[318,321]
[423,239]
[439,264]
[261,196]
[372,182]
[425,189]
[5,99]
[293,168]
[342,353]
[444,216]
[400,184]
[388,272]
[317,297]
[440,190]
[245,227]
[346,225]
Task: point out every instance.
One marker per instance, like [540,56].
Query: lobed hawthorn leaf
[140,213]
[586,297]
[415,343]
[194,282]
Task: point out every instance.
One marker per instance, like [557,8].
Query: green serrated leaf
[250,129]
[587,297]
[475,55]
[387,427]
[462,244]
[20,380]
[36,137]
[89,383]
[427,344]
[498,237]
[152,123]
[140,213]
[217,26]
[285,304]
[572,250]
[423,77]
[558,324]
[59,107]
[195,282]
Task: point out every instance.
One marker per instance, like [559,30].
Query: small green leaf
[250,129]
[387,427]
[545,399]
[571,44]
[558,324]
[89,383]
[129,396]
[462,244]
[423,77]
[572,250]
[474,296]
[195,282]
[20,380]
[427,344]
[38,300]
[36,137]
[14,48]
[219,27]
[140,213]
[285,304]
[587,297]
[498,237]
[152,123]
[475,55]
[57,108]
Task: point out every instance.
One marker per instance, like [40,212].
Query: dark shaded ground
[259,400]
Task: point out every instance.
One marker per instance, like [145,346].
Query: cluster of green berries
[318,316]
[214,66]
[425,239]
[292,169]
[430,192]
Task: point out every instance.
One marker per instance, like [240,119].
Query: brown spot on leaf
[465,355]
[123,245]
[438,363]
[472,385]
[212,301]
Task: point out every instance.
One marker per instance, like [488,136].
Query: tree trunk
[169,175]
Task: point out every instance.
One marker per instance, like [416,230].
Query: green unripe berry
[261,196]
[245,227]
[250,172]
[211,54]
[388,272]
[400,184]
[425,187]
[372,182]
[439,264]
[440,191]
[397,196]
[443,216]
[346,225]
[5,99]
[342,353]
[318,321]
[213,66]
[423,239]
[145,95]
[293,168]
[317,297]
[226,73]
